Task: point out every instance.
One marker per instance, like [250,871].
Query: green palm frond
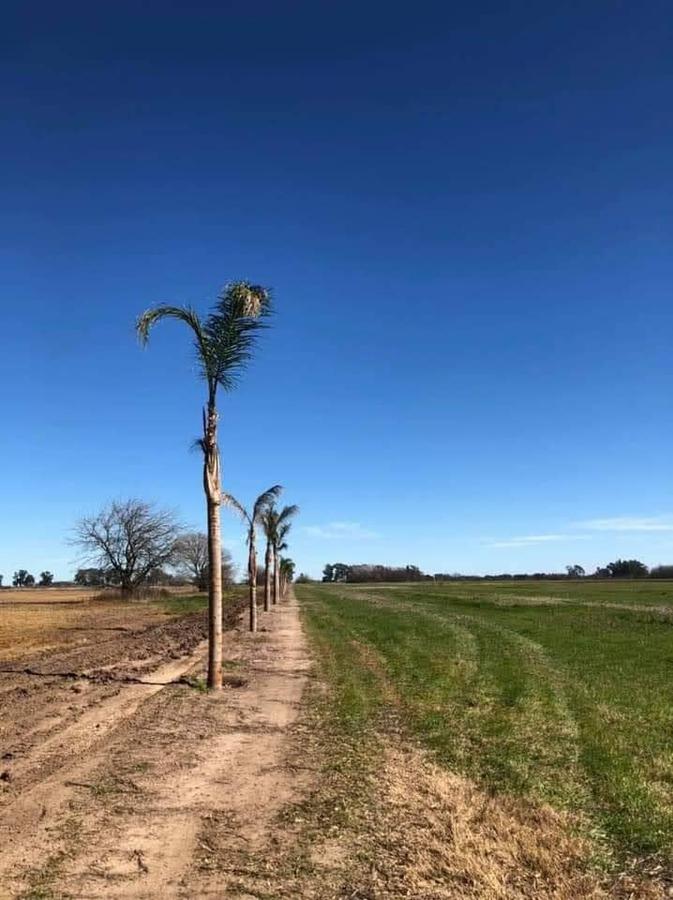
[287,566]
[231,329]
[287,512]
[231,501]
[268,521]
[198,444]
[265,501]
[225,340]
[190,318]
[275,522]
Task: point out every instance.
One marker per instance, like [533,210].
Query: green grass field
[184,604]
[561,692]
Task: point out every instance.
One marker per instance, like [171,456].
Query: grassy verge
[185,604]
[557,698]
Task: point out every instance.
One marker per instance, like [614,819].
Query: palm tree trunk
[252,572]
[267,577]
[276,576]
[253,606]
[212,487]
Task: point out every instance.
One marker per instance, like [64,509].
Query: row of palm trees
[276,526]
[224,342]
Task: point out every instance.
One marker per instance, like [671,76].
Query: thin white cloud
[531,540]
[629,523]
[343,530]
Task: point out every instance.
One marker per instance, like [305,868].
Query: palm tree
[268,526]
[224,342]
[287,568]
[252,520]
[276,525]
[281,544]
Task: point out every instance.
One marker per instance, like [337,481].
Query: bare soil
[42,619]
[108,786]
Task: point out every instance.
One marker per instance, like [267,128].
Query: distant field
[48,618]
[561,692]
[66,595]
[46,595]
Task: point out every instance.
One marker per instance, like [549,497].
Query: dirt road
[116,789]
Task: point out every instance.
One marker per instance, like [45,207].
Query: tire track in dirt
[567,735]
[46,776]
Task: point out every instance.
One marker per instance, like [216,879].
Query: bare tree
[191,557]
[192,560]
[130,538]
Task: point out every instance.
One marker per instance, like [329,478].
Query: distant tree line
[23,578]
[340,572]
[620,568]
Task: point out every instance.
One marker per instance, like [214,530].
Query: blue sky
[465,211]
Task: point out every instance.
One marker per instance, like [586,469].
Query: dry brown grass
[440,836]
[39,620]
[46,595]
[76,594]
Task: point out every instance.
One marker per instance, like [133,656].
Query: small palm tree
[224,342]
[268,526]
[252,520]
[276,525]
[287,568]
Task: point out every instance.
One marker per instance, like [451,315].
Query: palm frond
[231,501]
[267,520]
[287,512]
[232,329]
[287,565]
[198,444]
[283,531]
[265,500]
[204,350]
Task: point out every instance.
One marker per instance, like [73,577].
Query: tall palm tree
[224,342]
[276,525]
[252,520]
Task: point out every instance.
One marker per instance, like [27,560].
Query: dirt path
[137,795]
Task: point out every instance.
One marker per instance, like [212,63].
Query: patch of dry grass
[440,836]
[35,627]
[46,595]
